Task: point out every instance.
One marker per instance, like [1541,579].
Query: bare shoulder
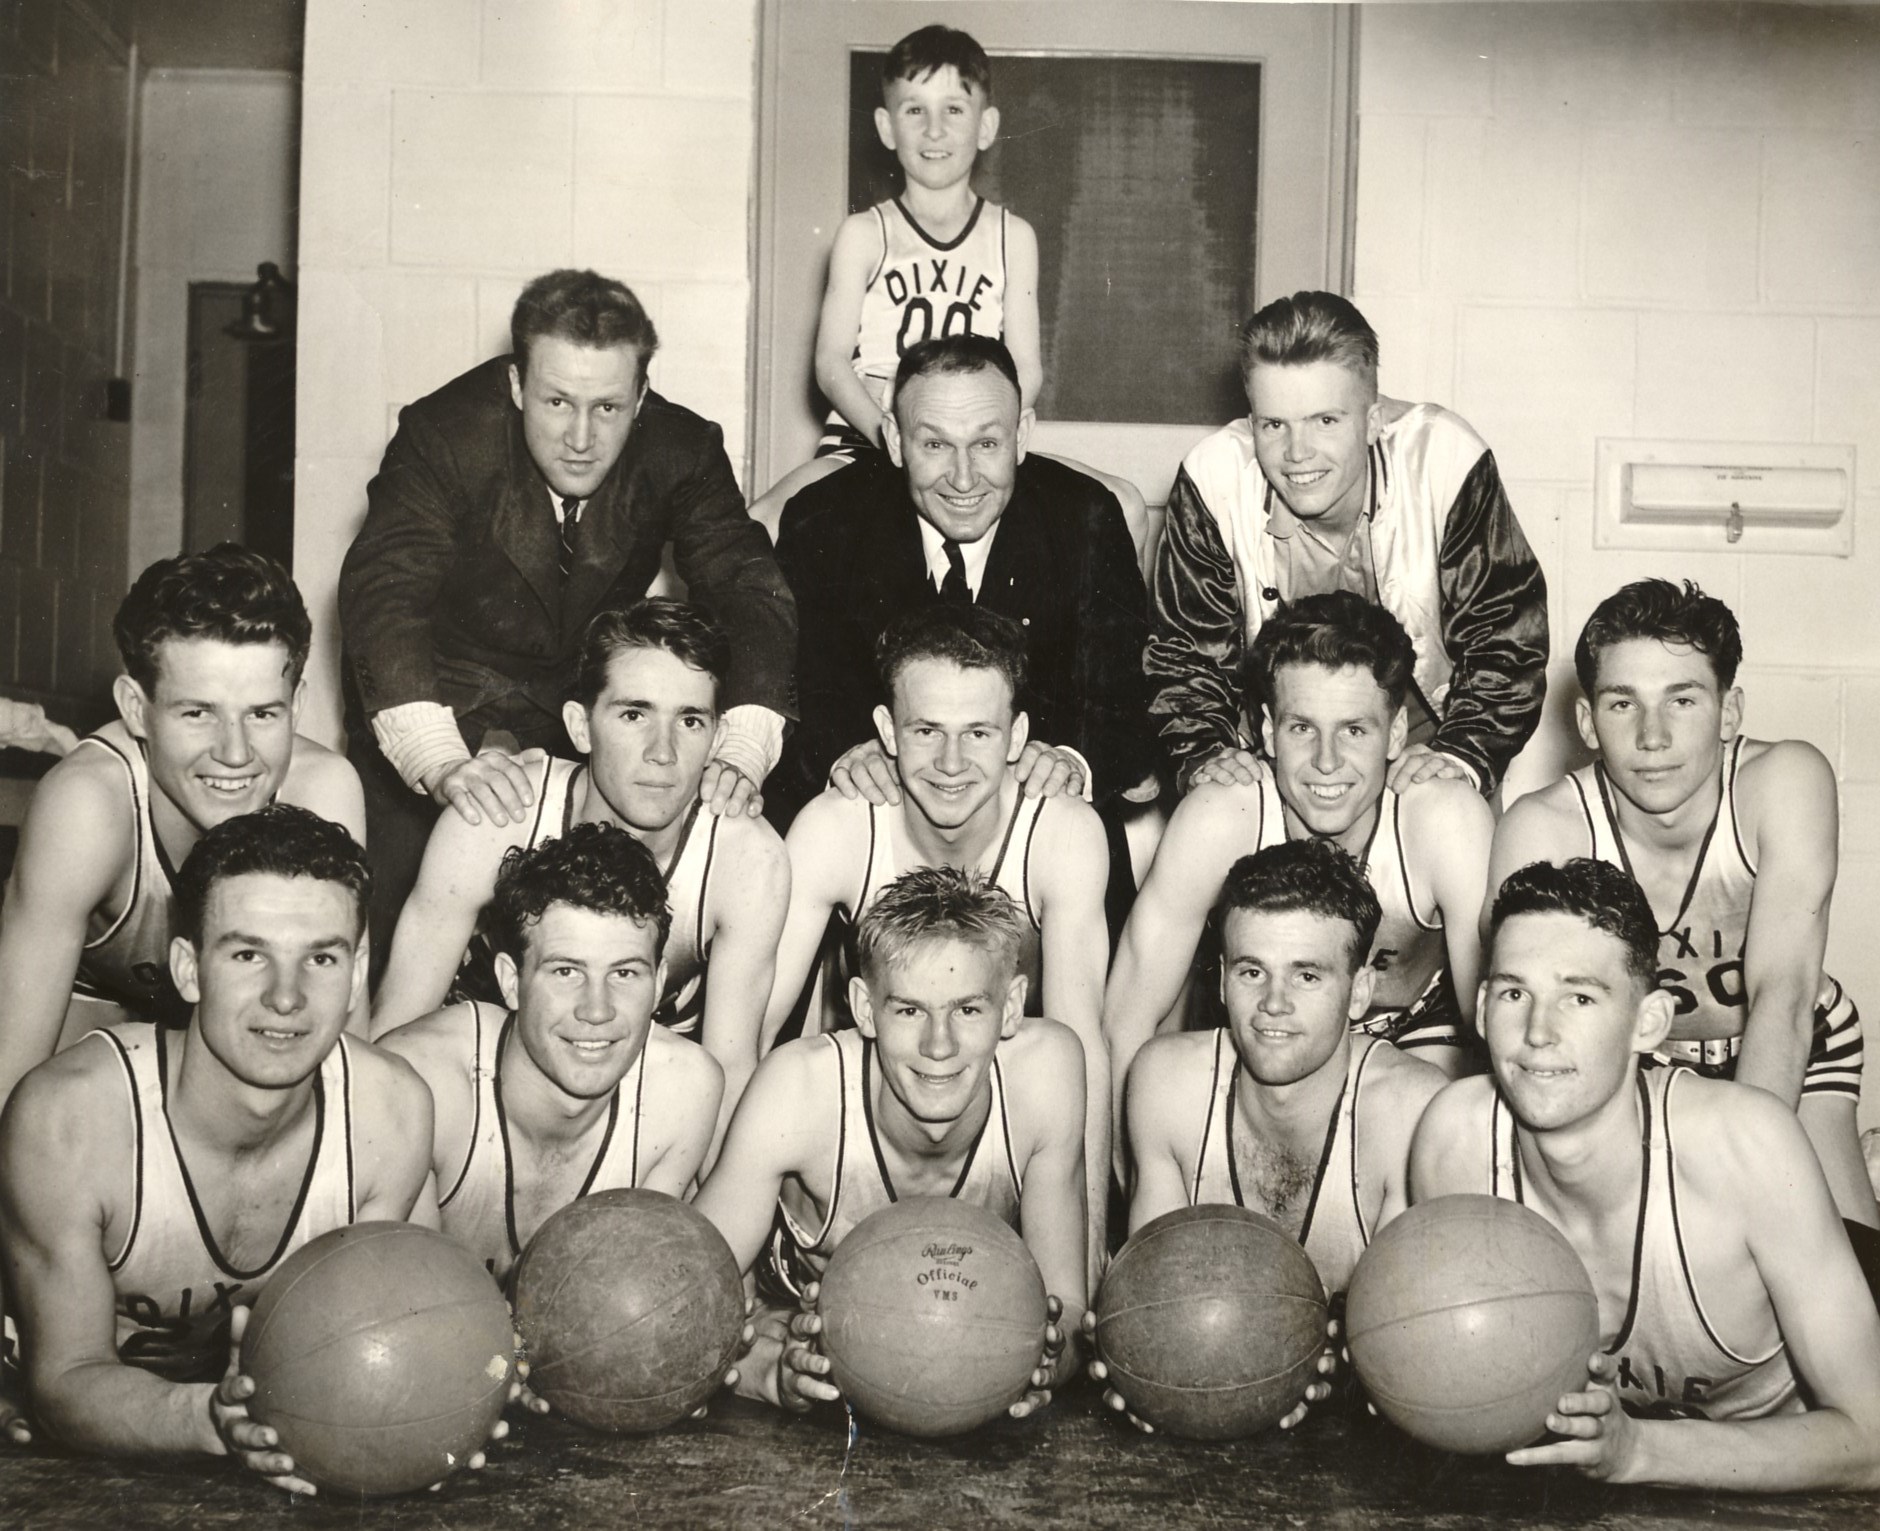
[751,844]
[1218,821]
[1782,774]
[1403,1081]
[828,841]
[1443,804]
[1040,1058]
[81,802]
[437,1044]
[1168,1071]
[1547,825]
[1453,1113]
[682,1068]
[317,775]
[1069,833]
[66,1116]
[1020,236]
[386,1085]
[1731,1137]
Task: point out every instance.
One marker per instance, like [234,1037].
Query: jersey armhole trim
[346,1129]
[476,1103]
[1403,873]
[116,1263]
[138,815]
[1684,1259]
[1736,819]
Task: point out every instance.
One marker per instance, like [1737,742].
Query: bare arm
[684,1111]
[1454,829]
[1021,307]
[455,881]
[1795,840]
[1159,1113]
[1211,826]
[1070,870]
[1050,1105]
[750,894]
[852,259]
[72,849]
[392,1135]
[1543,826]
[773,1131]
[820,861]
[52,1222]
[1450,1152]
[1762,1168]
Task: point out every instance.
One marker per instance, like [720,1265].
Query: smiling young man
[1739,1344]
[1328,675]
[1734,841]
[951,729]
[645,715]
[960,513]
[567,1087]
[942,1089]
[212,646]
[1325,486]
[513,504]
[1284,1110]
[151,1178]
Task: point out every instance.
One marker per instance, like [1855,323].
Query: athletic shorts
[1834,1058]
[840,439]
[1432,1019]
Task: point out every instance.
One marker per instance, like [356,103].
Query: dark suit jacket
[452,591]
[1062,564]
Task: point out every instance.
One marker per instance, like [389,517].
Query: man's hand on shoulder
[1046,770]
[1421,763]
[867,772]
[1228,768]
[491,784]
[727,791]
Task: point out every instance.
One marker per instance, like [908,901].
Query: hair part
[1656,608]
[1601,894]
[1337,630]
[1305,328]
[598,867]
[281,839]
[973,637]
[938,904]
[955,356]
[933,48]
[583,307]
[685,631]
[1310,876]
[229,594]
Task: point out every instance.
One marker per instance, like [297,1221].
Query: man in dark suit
[512,505]
[958,511]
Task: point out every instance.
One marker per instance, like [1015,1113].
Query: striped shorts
[1834,1057]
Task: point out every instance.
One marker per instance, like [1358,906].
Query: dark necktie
[953,589]
[570,525]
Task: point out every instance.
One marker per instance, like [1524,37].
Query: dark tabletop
[749,1466]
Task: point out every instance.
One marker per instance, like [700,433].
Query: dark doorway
[238,460]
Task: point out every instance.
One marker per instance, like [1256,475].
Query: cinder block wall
[1648,220]
[64,469]
[453,149]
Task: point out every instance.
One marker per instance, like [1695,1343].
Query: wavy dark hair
[685,631]
[584,307]
[1336,629]
[230,594]
[593,866]
[1656,608]
[1603,895]
[1310,875]
[932,48]
[282,839]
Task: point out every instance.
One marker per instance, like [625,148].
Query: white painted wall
[217,163]
[451,151]
[1650,220]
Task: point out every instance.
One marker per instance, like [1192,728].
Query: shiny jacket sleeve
[1494,617]
[1194,650]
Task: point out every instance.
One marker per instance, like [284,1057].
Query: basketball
[933,1314]
[381,1354]
[631,1308]
[1468,1318]
[1211,1321]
